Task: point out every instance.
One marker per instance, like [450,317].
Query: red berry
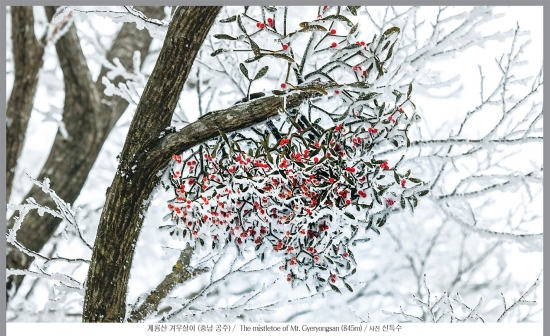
[336,91]
[258,24]
[269,20]
[285,46]
[333,31]
[334,44]
[283,85]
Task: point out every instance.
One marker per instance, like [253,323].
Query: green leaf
[239,21]
[224,37]
[391,31]
[313,88]
[255,58]
[283,56]
[218,51]
[338,18]
[215,150]
[414,180]
[396,176]
[371,95]
[348,287]
[309,28]
[349,215]
[278,92]
[395,143]
[414,201]
[359,85]
[423,193]
[270,9]
[352,46]
[229,19]
[402,202]
[410,90]
[379,67]
[390,52]
[255,47]
[352,9]
[225,138]
[261,73]
[244,70]
[334,288]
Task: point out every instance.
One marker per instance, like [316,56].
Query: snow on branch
[119,14]
[64,211]
[181,273]
[520,302]
[445,309]
[531,242]
[134,81]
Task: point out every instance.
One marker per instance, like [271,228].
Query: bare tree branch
[181,272]
[89,116]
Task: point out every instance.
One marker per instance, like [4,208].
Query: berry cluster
[310,194]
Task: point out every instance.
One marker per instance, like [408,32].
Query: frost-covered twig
[520,302]
[64,211]
[157,28]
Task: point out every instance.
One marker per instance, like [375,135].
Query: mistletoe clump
[311,185]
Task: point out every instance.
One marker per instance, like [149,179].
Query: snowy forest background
[477,75]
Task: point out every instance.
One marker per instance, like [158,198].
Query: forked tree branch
[89,116]
[128,196]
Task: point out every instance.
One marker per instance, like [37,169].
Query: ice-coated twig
[520,302]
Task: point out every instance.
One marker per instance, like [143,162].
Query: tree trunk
[128,198]
[88,123]
[27,59]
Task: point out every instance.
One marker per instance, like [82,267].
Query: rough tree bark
[127,199]
[180,274]
[147,152]
[89,116]
[27,59]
